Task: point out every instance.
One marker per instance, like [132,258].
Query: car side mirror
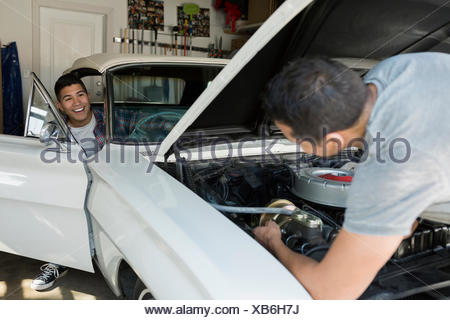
[48,133]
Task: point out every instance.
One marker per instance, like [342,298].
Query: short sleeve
[390,191]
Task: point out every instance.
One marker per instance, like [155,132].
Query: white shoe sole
[40,287]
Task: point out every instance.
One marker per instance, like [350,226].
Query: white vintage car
[155,209]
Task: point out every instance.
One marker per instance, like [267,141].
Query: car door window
[41,111]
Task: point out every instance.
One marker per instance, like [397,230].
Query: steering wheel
[154,128]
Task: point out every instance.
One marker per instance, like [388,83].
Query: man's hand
[269,236]
[347,269]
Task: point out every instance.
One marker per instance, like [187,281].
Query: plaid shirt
[124,123]
[99,130]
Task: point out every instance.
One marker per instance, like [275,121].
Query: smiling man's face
[75,103]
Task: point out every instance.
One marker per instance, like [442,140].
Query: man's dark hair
[313,95]
[65,81]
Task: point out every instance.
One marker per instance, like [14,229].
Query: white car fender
[178,245]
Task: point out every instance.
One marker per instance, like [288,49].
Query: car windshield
[150,100]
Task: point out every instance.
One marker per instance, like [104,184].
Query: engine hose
[180,171]
[291,175]
[315,249]
[179,165]
[189,179]
[252,210]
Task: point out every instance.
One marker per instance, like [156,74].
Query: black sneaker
[50,272]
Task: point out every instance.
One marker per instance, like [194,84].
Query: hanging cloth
[234,9]
[12,91]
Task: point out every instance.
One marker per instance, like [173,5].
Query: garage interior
[45,37]
[28,26]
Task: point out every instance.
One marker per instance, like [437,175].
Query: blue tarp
[12,91]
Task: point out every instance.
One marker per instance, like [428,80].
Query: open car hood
[279,19]
[357,32]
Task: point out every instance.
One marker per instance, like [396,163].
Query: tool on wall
[172,45]
[142,41]
[220,53]
[150,41]
[155,28]
[190,40]
[185,35]
[134,41]
[175,30]
[121,43]
[189,9]
[125,40]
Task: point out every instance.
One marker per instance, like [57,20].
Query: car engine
[316,190]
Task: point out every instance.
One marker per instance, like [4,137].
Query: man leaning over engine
[399,114]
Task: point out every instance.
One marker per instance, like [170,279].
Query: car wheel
[141,292]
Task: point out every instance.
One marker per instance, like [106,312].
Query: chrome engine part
[298,228]
[326,186]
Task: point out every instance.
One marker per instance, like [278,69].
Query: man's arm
[347,269]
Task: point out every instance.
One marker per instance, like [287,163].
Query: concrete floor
[17,272]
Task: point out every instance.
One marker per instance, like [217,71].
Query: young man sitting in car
[87,128]
[399,114]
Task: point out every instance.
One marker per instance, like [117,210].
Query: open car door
[43,189]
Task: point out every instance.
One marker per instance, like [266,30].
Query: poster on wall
[199,22]
[143,14]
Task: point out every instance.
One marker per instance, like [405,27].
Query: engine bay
[316,190]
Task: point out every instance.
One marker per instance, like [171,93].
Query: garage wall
[16,25]
[217,23]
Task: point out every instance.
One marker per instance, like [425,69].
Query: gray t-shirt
[411,168]
[85,137]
